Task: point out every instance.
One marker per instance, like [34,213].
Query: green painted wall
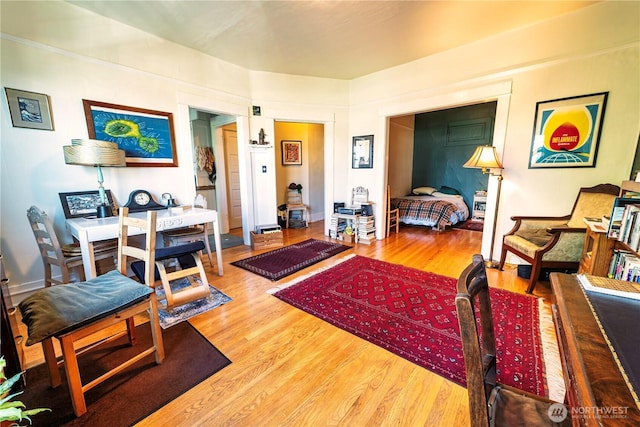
[444,140]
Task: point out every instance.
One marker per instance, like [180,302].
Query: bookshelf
[604,255]
[630,189]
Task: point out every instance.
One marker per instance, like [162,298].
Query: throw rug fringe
[180,313]
[412,314]
[280,263]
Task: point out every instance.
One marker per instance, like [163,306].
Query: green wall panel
[444,140]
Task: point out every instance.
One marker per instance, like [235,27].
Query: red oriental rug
[412,314]
[285,261]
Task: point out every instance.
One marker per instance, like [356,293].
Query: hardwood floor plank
[292,369]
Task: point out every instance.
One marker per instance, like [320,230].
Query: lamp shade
[91,152]
[485,157]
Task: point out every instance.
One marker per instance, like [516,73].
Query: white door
[230,138]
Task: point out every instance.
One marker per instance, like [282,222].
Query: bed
[436,210]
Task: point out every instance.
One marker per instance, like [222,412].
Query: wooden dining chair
[178,236]
[74,311]
[65,257]
[492,403]
[188,268]
[393,222]
[180,260]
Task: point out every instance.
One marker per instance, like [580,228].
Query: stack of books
[339,227]
[622,218]
[366,229]
[624,265]
[625,224]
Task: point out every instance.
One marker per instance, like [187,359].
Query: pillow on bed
[422,191]
[448,190]
[441,194]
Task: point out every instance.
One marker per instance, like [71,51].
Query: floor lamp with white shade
[486,158]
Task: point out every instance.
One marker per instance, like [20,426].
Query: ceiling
[333,39]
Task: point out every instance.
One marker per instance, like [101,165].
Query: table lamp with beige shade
[91,152]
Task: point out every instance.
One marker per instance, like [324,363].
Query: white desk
[355,224]
[89,230]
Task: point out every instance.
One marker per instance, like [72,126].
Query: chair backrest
[359,195]
[200,201]
[294,197]
[389,199]
[593,202]
[478,346]
[46,238]
[147,254]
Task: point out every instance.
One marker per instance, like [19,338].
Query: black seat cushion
[181,252]
[56,310]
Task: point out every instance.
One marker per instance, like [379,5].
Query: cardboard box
[266,240]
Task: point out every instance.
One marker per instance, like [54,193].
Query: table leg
[216,238]
[88,257]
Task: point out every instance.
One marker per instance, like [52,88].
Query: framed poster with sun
[567,131]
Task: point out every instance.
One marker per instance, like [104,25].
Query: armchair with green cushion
[556,242]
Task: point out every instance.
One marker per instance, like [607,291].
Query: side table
[597,250]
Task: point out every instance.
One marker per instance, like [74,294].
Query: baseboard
[21,291]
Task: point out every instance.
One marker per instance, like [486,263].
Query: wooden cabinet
[598,248]
[596,253]
[629,186]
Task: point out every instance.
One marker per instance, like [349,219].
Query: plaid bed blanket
[432,213]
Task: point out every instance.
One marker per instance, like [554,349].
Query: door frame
[451,98]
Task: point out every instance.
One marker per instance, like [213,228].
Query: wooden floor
[292,369]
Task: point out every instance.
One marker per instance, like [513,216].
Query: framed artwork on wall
[291,153]
[362,152]
[83,204]
[146,136]
[29,109]
[567,131]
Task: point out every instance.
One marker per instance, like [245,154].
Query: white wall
[70,54]
[58,49]
[400,160]
[593,50]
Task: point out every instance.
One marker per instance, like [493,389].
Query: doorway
[499,92]
[216,177]
[232,176]
[310,173]
[429,149]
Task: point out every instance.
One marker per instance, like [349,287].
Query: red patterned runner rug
[412,314]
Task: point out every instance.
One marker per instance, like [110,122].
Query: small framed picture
[362,152]
[29,109]
[83,204]
[291,153]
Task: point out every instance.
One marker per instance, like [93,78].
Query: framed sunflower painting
[146,136]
